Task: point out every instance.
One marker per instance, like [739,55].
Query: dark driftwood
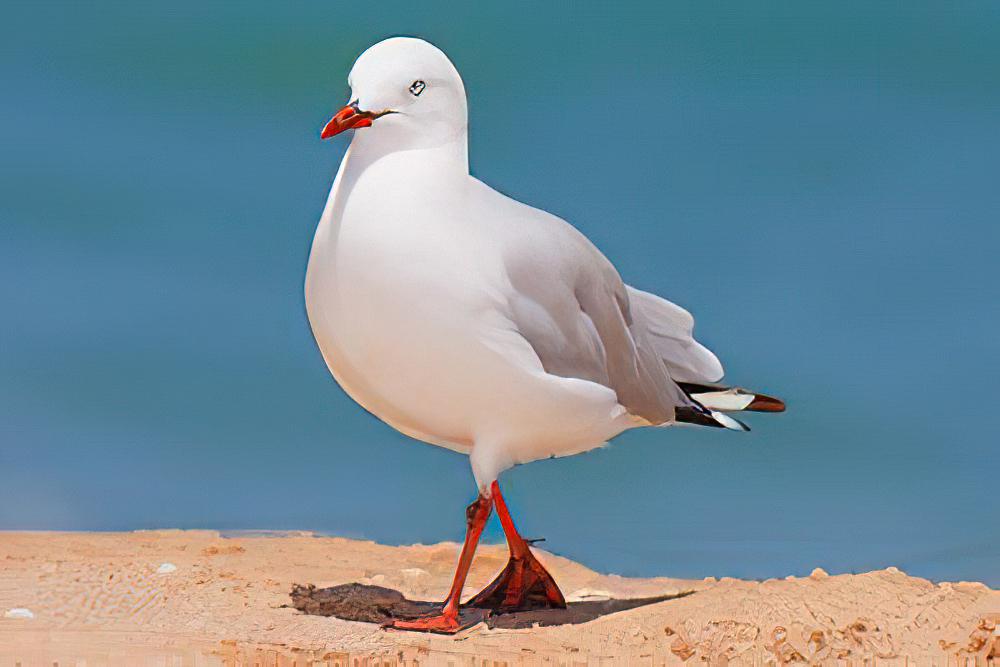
[375,604]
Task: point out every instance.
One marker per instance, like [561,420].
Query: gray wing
[572,307]
[670,330]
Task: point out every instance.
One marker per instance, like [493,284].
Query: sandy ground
[108,599]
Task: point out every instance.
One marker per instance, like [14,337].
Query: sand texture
[197,598]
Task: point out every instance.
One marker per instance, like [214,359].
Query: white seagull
[468,320]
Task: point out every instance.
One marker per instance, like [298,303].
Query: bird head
[407,93]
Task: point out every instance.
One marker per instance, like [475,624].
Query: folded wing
[577,314]
[670,330]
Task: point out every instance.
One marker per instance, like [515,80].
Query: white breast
[392,307]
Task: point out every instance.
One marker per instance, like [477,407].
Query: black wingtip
[712,418]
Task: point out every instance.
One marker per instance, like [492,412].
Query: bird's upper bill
[350,117]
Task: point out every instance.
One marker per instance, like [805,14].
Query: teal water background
[817,182]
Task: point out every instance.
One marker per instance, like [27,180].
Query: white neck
[444,159]
[431,168]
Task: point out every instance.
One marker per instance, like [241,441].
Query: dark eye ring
[417,87]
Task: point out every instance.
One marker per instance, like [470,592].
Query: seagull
[468,320]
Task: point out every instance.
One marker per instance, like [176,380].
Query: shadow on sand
[375,604]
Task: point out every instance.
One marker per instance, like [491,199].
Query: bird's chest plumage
[392,305]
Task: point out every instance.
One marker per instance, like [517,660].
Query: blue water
[817,182]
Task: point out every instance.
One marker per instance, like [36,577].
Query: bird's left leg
[448,620]
[524,584]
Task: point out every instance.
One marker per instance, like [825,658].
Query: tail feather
[690,414]
[731,399]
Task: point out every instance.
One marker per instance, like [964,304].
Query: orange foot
[446,624]
[522,586]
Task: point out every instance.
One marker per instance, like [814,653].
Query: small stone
[791,577]
[681,648]
[18,612]
[710,580]
[818,573]
[414,572]
[588,595]
[893,570]
[166,568]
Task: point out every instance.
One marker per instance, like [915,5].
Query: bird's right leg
[447,621]
[524,583]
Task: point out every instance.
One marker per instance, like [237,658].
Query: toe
[442,623]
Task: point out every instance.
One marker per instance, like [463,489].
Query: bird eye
[417,87]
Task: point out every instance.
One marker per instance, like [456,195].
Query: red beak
[347,118]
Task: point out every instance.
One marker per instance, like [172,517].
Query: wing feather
[670,329]
[576,313]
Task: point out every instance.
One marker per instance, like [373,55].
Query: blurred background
[816,182]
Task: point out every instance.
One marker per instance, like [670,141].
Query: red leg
[447,621]
[524,583]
